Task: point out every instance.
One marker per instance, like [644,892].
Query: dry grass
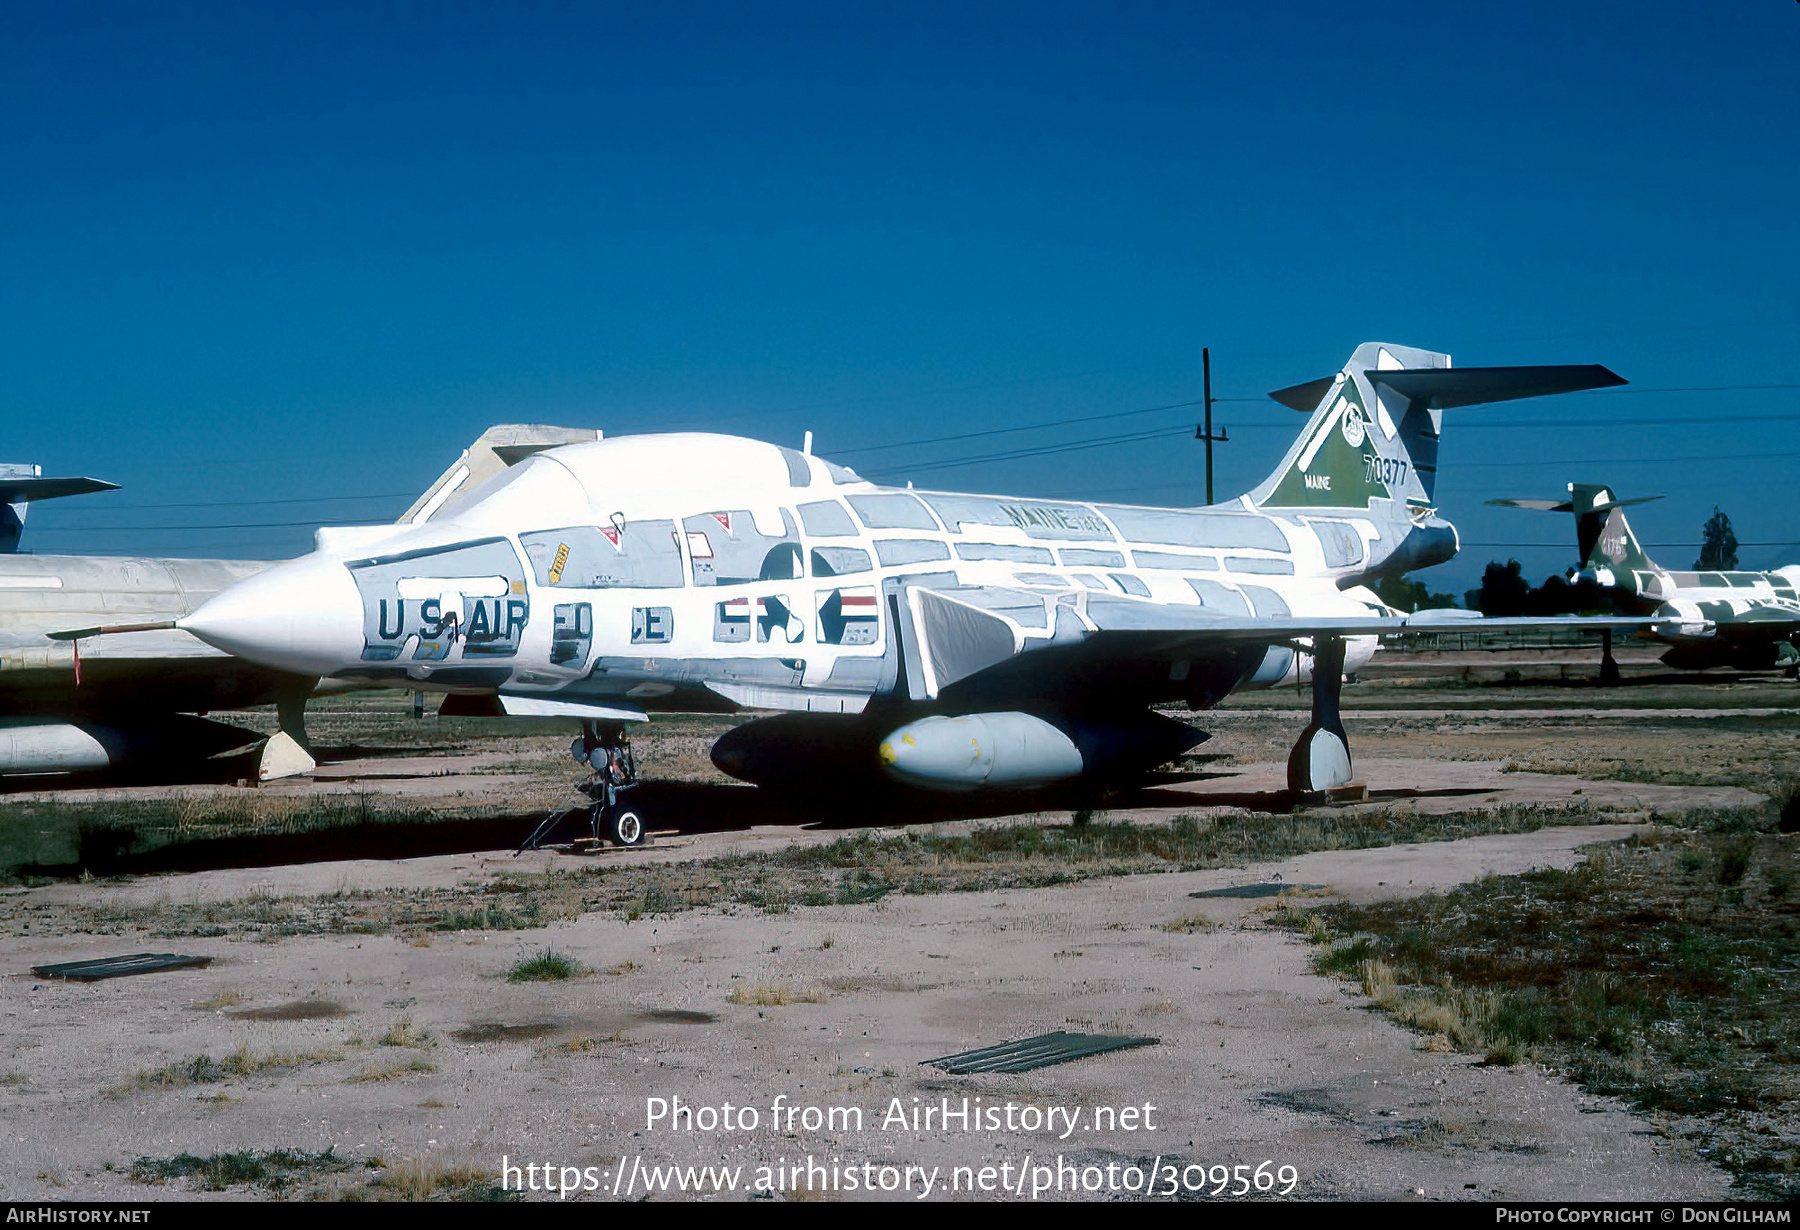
[390,1072]
[1658,972]
[203,1069]
[435,1179]
[1189,924]
[774,995]
[228,998]
[404,1033]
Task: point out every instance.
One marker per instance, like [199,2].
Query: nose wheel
[624,827]
[604,748]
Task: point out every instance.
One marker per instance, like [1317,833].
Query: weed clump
[205,1070]
[404,1033]
[426,1180]
[275,1170]
[774,995]
[547,966]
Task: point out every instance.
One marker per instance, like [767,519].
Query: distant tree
[1504,590]
[1557,596]
[1718,545]
[1409,595]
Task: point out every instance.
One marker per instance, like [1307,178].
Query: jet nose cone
[303,616]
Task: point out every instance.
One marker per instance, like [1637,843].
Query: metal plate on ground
[119,967]
[1258,890]
[1036,1052]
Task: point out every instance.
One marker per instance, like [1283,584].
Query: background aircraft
[21,484]
[1745,620]
[107,703]
[948,641]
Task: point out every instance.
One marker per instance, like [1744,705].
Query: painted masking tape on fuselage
[487,626]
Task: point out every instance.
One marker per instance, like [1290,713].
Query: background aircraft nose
[303,616]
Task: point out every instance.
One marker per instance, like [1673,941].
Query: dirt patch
[298,1010]
[672,1016]
[493,1031]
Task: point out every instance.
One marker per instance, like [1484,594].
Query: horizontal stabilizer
[15,490]
[1305,397]
[1535,505]
[1569,505]
[1446,388]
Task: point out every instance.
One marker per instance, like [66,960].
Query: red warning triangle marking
[723,519]
[612,536]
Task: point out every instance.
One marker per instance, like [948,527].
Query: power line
[1623,461]
[1566,546]
[1045,450]
[1065,447]
[1592,425]
[1691,388]
[1001,431]
[316,499]
[234,525]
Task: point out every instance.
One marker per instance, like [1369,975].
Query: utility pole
[1205,431]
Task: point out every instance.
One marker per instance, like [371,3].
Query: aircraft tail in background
[21,484]
[1611,555]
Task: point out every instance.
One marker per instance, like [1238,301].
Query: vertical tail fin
[1610,552]
[1365,445]
[1611,555]
[1370,448]
[500,446]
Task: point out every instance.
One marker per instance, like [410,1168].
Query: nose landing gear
[605,748]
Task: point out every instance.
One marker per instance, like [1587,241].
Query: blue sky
[270,266]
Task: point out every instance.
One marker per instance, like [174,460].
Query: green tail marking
[1339,466]
[1604,536]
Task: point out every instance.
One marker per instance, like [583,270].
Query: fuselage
[1705,606]
[167,670]
[696,572]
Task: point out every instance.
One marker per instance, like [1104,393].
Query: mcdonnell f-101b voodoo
[1745,620]
[949,641]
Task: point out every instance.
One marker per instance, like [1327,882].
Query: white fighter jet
[1745,620]
[947,641]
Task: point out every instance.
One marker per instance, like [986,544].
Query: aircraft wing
[1009,641]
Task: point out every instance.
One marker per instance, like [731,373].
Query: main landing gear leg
[1609,668]
[605,747]
[1319,765]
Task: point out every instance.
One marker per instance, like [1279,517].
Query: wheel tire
[626,828]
